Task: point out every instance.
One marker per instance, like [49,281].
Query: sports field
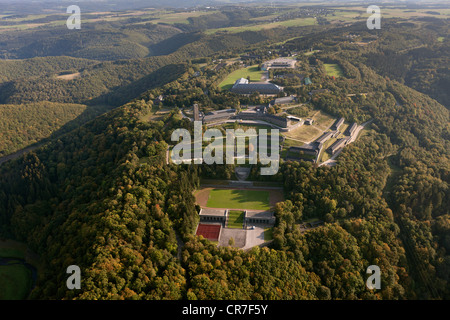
[252,72]
[239,199]
[209,231]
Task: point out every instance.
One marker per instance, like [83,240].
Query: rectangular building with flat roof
[338,124]
[351,130]
[325,137]
[338,145]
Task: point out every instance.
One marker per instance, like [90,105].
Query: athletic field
[239,199]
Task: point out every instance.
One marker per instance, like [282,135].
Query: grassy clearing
[252,72]
[324,156]
[15,282]
[304,133]
[68,77]
[235,219]
[239,199]
[333,69]
[12,253]
[268,234]
[15,279]
[323,120]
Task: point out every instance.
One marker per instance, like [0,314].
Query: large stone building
[244,87]
[259,217]
[338,124]
[351,130]
[280,63]
[338,145]
[262,114]
[218,116]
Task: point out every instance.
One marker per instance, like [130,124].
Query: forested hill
[102,196]
[96,80]
[99,85]
[105,41]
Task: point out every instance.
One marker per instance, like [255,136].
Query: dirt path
[18,154]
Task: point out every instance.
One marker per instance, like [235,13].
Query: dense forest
[101,195]
[22,125]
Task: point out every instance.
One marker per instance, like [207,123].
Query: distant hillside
[40,67]
[97,80]
[105,41]
[25,124]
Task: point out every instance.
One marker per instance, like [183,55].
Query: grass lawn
[268,234]
[440,39]
[239,199]
[253,72]
[304,133]
[323,120]
[15,282]
[235,219]
[333,69]
[12,253]
[15,279]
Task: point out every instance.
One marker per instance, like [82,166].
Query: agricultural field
[253,72]
[177,17]
[299,22]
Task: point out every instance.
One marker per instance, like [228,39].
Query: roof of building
[308,147]
[281,63]
[249,88]
[241,81]
[219,114]
[212,212]
[339,144]
[324,137]
[338,123]
[308,80]
[283,100]
[352,128]
[259,214]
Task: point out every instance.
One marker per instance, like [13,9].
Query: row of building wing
[316,147]
[253,113]
[244,87]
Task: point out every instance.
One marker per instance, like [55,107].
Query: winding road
[18,154]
